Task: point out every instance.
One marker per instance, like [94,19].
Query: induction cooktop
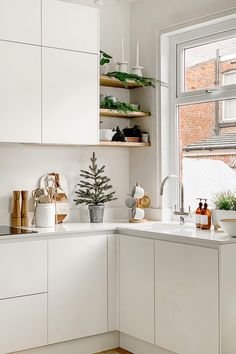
[10,230]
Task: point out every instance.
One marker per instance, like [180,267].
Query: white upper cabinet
[77,287]
[137,287]
[20,92]
[70,97]
[20,21]
[63,80]
[187,307]
[69,25]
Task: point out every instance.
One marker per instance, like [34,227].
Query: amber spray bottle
[205,217]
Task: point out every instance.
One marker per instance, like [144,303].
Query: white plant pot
[218,215]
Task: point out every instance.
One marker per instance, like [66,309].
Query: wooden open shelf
[116,114]
[112,82]
[123,144]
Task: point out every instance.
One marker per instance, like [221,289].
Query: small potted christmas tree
[94,190]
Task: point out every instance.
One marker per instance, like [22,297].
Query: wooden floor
[115,351]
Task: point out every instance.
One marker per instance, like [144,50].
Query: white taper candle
[137,61]
[122,49]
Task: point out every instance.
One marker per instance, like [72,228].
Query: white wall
[21,166]
[147,18]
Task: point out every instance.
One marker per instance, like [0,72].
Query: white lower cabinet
[77,287]
[23,268]
[23,323]
[113,283]
[23,295]
[137,287]
[187,304]
[163,293]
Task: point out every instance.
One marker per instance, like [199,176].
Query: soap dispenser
[205,217]
[198,214]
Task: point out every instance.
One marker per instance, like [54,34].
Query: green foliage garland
[118,106]
[139,80]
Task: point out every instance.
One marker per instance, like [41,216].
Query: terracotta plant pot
[96,213]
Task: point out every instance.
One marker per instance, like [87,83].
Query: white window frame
[218,90]
[171,43]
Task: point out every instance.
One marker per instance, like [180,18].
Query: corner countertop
[172,232]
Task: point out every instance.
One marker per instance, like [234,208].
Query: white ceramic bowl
[229,226]
[218,215]
[106,134]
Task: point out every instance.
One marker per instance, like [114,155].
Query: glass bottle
[198,214]
[205,217]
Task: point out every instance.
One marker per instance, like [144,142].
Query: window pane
[207,65]
[207,152]
[229,111]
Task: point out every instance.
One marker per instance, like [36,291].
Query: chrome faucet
[181,211]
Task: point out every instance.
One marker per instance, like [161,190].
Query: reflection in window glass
[229,106]
[205,65]
[207,152]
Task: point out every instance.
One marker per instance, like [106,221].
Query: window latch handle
[210,90]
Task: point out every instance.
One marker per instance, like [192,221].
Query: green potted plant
[224,207]
[105,60]
[94,190]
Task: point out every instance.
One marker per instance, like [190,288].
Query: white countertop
[172,232]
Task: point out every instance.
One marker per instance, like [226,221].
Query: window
[204,64]
[199,134]
[229,108]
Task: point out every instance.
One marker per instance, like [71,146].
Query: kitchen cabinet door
[113,283]
[187,319]
[20,92]
[68,25]
[77,293]
[20,21]
[137,287]
[23,268]
[23,323]
[70,97]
